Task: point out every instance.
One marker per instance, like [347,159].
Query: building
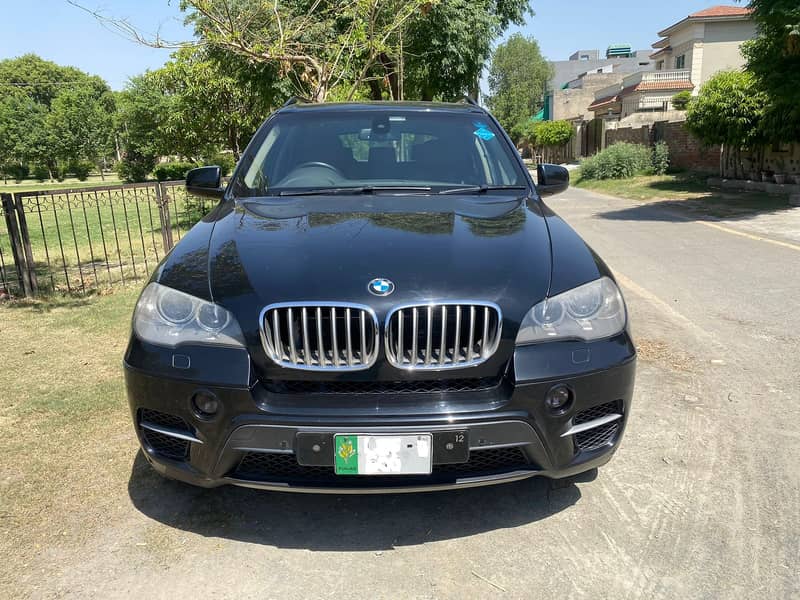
[620,56]
[687,55]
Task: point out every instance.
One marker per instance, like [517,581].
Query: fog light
[558,398]
[205,404]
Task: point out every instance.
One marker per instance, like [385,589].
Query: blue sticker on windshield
[484,133]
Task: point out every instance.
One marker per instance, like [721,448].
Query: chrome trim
[187,437]
[273,347]
[458,360]
[592,424]
[465,482]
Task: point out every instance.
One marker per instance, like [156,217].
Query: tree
[316,45]
[729,110]
[142,109]
[81,125]
[773,57]
[209,105]
[445,49]
[518,78]
[681,100]
[29,132]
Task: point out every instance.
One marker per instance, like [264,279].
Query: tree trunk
[375,91]
[390,68]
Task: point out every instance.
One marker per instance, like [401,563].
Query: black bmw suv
[380,302]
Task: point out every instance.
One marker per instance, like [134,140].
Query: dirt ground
[701,501]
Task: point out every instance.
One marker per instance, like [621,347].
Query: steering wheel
[333,177]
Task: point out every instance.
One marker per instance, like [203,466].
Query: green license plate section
[383,454]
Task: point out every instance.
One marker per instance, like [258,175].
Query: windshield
[377,150]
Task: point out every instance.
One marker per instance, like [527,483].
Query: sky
[60,32]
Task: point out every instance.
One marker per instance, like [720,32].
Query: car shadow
[713,207]
[344,522]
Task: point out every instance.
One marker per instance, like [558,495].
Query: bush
[40,173]
[16,171]
[173,171]
[80,169]
[680,101]
[135,167]
[660,158]
[224,160]
[551,134]
[618,162]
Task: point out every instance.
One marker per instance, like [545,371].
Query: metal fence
[73,241]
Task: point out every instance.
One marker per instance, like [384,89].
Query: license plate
[383,454]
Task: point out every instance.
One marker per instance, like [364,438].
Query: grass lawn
[29,185]
[67,435]
[686,191]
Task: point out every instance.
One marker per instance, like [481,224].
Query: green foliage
[80,169]
[518,78]
[773,57]
[660,158]
[446,48]
[207,107]
[729,110]
[552,134]
[51,114]
[135,167]
[173,171]
[618,162]
[681,100]
[40,173]
[224,160]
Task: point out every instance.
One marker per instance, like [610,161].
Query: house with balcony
[687,55]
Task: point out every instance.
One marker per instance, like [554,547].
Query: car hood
[487,248]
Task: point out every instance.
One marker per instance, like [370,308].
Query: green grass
[28,185]
[688,192]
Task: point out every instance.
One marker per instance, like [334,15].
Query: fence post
[164,216]
[16,244]
[30,264]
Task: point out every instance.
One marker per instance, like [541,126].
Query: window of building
[680,61]
[660,65]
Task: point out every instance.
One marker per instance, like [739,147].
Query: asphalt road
[701,501]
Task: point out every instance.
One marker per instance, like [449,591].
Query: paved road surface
[702,501]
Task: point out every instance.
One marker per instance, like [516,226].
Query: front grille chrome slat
[320,336]
[467,333]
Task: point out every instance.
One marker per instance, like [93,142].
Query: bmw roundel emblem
[380,287]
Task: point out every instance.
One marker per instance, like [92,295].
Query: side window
[680,62]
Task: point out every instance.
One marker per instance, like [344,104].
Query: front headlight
[589,312]
[168,317]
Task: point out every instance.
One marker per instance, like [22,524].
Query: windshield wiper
[482,189]
[367,189]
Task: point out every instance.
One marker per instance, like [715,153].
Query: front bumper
[255,440]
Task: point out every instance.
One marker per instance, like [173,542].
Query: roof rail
[470,101]
[295,100]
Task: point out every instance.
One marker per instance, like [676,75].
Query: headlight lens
[168,317]
[588,312]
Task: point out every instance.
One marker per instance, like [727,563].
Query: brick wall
[685,151]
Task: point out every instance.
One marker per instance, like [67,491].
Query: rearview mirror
[205,181]
[552,179]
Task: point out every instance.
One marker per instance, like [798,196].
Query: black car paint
[505,247]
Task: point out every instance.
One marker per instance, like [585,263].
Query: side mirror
[205,181]
[552,179]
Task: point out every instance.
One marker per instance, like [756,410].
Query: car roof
[382,105]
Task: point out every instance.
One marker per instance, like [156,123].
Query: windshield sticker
[484,133]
